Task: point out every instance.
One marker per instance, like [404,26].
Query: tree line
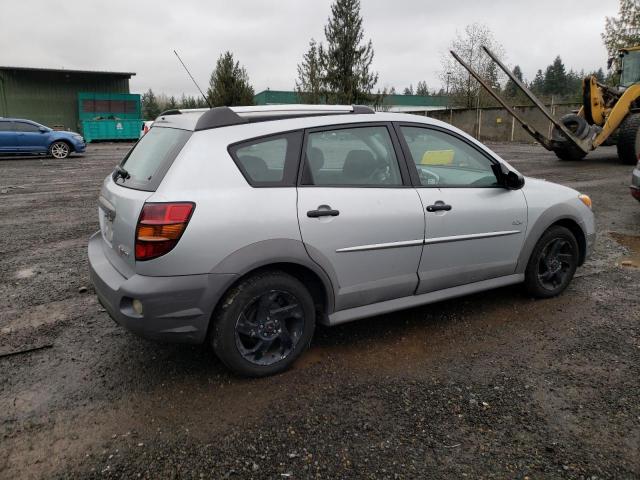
[339,69]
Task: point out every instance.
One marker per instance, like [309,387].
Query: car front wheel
[552,264]
[59,150]
[263,324]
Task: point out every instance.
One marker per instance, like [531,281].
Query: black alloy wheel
[269,328]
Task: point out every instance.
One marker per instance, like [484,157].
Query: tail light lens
[159,228]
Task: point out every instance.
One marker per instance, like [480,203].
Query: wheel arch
[286,255]
[543,224]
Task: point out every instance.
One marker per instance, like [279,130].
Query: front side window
[443,160]
[362,156]
[26,127]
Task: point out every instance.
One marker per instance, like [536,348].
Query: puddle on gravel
[632,243]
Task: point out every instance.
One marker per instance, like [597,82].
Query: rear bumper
[635,184]
[175,309]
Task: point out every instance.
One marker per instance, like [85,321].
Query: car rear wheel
[263,324]
[552,264]
[59,150]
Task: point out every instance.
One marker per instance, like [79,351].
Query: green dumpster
[109,116]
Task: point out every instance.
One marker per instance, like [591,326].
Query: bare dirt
[495,385]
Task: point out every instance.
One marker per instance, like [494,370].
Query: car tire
[552,264]
[263,324]
[629,139]
[60,150]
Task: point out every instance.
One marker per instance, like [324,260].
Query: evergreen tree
[172,103]
[422,88]
[622,31]
[150,107]
[511,90]
[347,59]
[555,78]
[408,90]
[599,74]
[311,75]
[537,86]
[229,84]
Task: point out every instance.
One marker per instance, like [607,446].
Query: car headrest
[359,165]
[255,167]
[316,159]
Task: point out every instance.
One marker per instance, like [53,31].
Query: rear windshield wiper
[120,172]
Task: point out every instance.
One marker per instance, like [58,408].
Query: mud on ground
[495,385]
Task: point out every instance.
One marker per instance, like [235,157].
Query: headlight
[585,199]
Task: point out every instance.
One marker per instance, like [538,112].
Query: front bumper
[175,309]
[635,183]
[79,147]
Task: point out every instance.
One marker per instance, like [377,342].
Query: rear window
[152,156]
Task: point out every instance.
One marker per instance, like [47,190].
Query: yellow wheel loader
[608,116]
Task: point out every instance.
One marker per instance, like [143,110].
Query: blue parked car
[27,137]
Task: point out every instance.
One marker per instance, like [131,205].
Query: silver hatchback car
[243,227]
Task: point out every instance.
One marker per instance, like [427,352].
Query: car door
[30,137]
[475,228]
[8,137]
[359,217]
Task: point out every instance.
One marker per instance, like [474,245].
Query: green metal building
[50,96]
[394,103]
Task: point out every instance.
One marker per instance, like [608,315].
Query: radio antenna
[193,80]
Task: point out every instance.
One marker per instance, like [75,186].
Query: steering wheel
[380,175]
[427,177]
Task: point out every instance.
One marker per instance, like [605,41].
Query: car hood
[64,133]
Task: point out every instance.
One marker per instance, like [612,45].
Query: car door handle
[323,213]
[438,206]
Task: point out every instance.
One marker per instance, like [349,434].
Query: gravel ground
[495,385]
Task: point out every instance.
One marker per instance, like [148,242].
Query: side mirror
[513,181]
[610,62]
[508,178]
[43,130]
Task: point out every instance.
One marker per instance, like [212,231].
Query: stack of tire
[627,138]
[579,127]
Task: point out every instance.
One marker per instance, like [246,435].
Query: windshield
[151,157]
[630,68]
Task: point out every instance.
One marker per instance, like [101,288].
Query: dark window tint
[26,127]
[5,126]
[152,156]
[443,160]
[351,156]
[269,161]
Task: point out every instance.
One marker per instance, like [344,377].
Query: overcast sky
[269,37]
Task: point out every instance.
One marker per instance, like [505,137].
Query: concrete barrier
[495,123]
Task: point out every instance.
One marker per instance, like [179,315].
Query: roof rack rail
[226,116]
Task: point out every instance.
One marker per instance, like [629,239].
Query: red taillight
[160,227]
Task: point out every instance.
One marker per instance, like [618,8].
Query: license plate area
[106,215]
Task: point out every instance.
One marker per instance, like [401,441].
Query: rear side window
[152,156]
[269,161]
[5,126]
